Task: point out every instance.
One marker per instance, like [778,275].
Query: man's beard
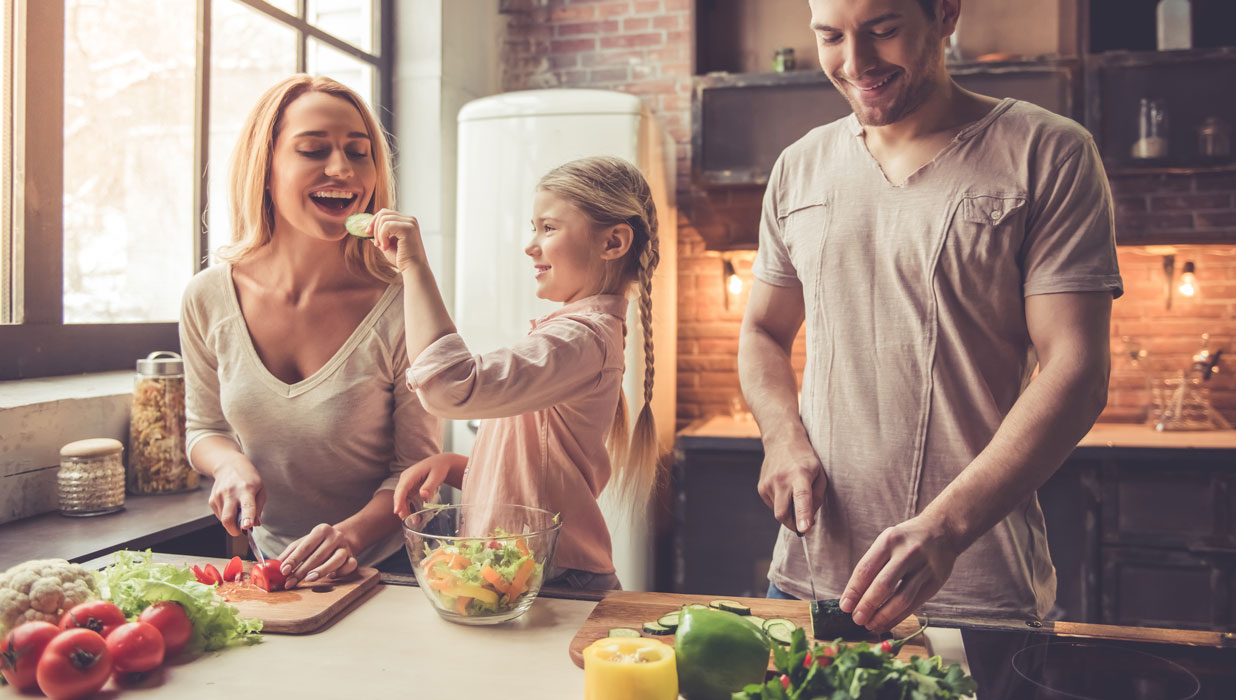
[912,94]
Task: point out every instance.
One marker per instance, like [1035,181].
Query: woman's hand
[237,489]
[326,551]
[419,483]
[398,236]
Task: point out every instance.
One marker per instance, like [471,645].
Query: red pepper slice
[233,570]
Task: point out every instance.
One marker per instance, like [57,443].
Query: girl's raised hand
[418,484]
[398,236]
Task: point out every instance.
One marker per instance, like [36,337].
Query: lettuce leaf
[134,581]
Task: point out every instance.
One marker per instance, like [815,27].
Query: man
[937,244]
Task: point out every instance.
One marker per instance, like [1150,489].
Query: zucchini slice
[657,628]
[624,632]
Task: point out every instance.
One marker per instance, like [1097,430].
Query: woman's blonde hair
[253,210]
[612,191]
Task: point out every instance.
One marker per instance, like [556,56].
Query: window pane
[128,159]
[324,59]
[8,311]
[249,53]
[350,20]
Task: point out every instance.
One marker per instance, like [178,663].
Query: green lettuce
[134,581]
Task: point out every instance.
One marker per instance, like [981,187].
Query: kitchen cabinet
[1141,524]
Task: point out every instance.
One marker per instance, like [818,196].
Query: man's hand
[905,566]
[792,483]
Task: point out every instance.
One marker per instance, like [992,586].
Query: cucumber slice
[657,628]
[670,620]
[776,621]
[756,620]
[733,606]
[781,631]
[624,632]
[696,606]
[356,223]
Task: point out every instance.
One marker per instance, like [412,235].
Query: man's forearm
[1035,438]
[769,387]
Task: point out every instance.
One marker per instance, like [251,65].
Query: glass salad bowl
[481,564]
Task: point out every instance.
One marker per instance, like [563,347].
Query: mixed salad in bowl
[481,578]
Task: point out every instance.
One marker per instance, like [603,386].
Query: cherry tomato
[136,647]
[172,622]
[807,661]
[233,570]
[75,664]
[785,681]
[98,615]
[199,574]
[268,576]
[886,646]
[20,652]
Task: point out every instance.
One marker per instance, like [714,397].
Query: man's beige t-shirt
[916,333]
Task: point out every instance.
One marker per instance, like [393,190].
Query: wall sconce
[731,280]
[1188,280]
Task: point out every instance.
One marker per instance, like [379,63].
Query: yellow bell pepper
[630,667]
[482,594]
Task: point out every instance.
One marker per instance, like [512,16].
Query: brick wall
[644,47]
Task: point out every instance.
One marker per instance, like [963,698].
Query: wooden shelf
[1125,169]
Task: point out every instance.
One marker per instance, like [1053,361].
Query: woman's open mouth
[540,270]
[333,201]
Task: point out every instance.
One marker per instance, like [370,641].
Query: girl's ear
[616,242]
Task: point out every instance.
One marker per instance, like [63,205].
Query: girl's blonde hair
[253,210]
[612,191]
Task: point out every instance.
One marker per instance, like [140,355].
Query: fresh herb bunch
[842,671]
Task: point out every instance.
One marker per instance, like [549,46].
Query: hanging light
[1188,280]
[733,283]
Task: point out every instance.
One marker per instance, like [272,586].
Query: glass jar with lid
[91,477]
[157,460]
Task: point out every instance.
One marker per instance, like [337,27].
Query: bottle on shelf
[1175,25]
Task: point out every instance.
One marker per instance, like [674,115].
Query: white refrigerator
[506,143]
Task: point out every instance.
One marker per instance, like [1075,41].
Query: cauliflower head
[42,589]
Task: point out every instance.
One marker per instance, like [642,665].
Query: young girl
[294,364]
[555,397]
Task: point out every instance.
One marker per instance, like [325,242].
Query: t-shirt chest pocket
[988,229]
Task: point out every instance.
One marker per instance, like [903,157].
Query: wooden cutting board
[304,609]
[632,609]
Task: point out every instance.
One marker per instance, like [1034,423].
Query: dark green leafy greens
[859,671]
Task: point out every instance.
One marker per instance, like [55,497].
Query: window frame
[40,344]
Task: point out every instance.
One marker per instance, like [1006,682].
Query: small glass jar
[91,477]
[1152,142]
[1214,140]
[783,60]
[157,459]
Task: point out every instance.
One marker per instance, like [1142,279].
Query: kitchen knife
[253,547]
[810,569]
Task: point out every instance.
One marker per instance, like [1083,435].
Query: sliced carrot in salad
[519,584]
[495,579]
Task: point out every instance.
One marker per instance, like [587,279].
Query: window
[114,105]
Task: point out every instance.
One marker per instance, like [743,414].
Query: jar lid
[161,362]
[93,447]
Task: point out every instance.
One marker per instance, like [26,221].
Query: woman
[294,347]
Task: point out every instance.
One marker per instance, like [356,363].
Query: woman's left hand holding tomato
[398,236]
[326,551]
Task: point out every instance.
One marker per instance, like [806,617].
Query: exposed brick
[626,41]
[1191,201]
[1215,219]
[636,24]
[572,45]
[572,13]
[609,75]
[1123,185]
[643,7]
[565,60]
[581,28]
[612,58]
[678,5]
[668,21]
[614,9]
[1208,182]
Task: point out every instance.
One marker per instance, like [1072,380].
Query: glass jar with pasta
[157,460]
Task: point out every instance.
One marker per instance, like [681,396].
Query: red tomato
[20,652]
[233,570]
[785,681]
[212,574]
[136,647]
[98,615]
[75,664]
[172,622]
[268,576]
[199,574]
[886,646]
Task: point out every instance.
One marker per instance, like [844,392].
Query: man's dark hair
[929,8]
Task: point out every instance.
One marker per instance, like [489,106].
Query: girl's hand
[398,236]
[325,551]
[419,483]
[237,489]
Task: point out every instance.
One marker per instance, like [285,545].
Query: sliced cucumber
[696,606]
[670,620]
[776,621]
[780,631]
[756,620]
[356,223]
[624,632]
[732,606]
[657,628]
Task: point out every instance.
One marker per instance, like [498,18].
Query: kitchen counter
[145,522]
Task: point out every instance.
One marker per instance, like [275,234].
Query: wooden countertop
[145,522]
[1102,435]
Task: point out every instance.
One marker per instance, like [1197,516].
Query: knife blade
[253,547]
[810,569]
